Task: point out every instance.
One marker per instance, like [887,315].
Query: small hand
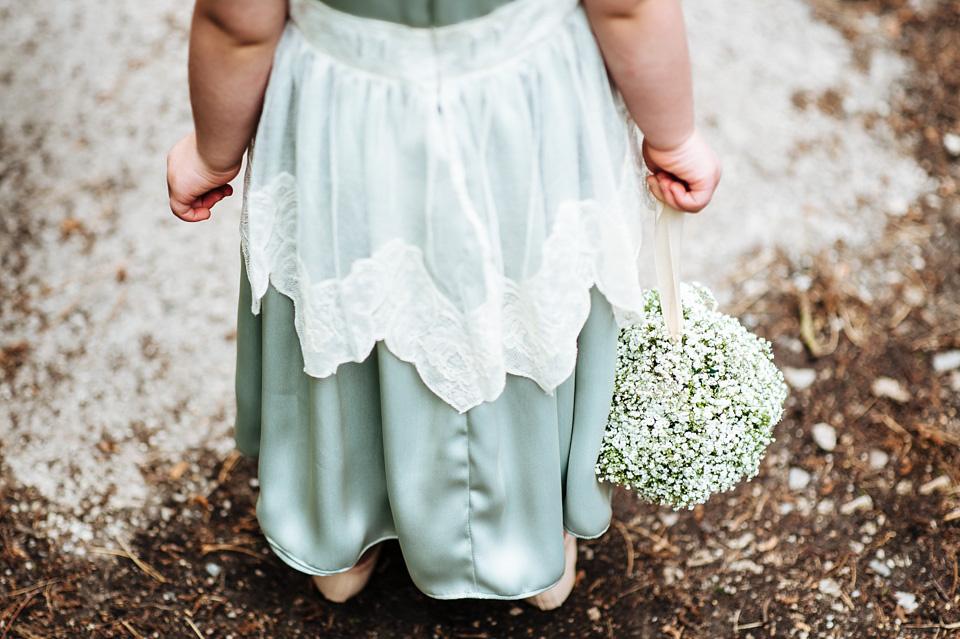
[193,185]
[684,177]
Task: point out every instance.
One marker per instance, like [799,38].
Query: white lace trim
[463,358]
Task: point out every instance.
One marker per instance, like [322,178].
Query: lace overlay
[453,192]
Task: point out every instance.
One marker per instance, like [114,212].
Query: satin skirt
[478,500]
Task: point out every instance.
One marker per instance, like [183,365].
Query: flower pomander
[693,414]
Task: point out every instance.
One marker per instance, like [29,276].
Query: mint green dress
[438,239]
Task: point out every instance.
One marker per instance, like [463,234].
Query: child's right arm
[644,44]
[232,44]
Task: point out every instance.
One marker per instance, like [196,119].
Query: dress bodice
[418,13]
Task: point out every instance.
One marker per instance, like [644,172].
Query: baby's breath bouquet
[692,413]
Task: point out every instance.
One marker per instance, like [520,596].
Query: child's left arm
[232,43]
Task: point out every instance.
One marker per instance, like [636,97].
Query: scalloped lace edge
[528,328]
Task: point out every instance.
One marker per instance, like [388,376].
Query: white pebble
[825,436]
[946,361]
[799,378]
[878,458]
[594,613]
[669,518]
[880,568]
[951,142]
[672,574]
[213,569]
[940,484]
[863,502]
[829,587]
[904,487]
[906,600]
[798,479]
[891,388]
[825,507]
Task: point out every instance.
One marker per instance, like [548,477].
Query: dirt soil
[858,541]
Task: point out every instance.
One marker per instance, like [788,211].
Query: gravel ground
[117,322]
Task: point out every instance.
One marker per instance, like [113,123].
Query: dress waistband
[427,54]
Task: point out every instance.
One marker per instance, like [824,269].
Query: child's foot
[553,598]
[343,585]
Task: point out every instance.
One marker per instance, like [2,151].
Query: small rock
[940,484]
[890,388]
[798,479]
[669,518]
[914,295]
[829,587]
[745,565]
[880,568]
[825,507]
[878,458]
[906,600]
[951,142]
[672,574]
[799,378]
[863,502]
[946,361]
[516,611]
[825,436]
[594,614]
[213,569]
[904,487]
[955,381]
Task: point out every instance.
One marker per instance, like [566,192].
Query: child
[440,222]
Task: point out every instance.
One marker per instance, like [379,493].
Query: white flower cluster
[691,416]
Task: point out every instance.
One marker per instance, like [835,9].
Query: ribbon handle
[666,253]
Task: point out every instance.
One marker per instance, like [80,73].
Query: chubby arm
[644,45]
[232,43]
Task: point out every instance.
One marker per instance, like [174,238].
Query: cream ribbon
[666,255]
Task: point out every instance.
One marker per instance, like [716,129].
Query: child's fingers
[194,211]
[689,201]
[654,185]
[213,196]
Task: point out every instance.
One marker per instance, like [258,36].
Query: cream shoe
[553,598]
[343,585]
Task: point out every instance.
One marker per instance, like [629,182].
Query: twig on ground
[193,627]
[892,424]
[629,543]
[807,332]
[931,626]
[206,549]
[26,589]
[228,465]
[128,554]
[129,628]
[17,613]
[659,542]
